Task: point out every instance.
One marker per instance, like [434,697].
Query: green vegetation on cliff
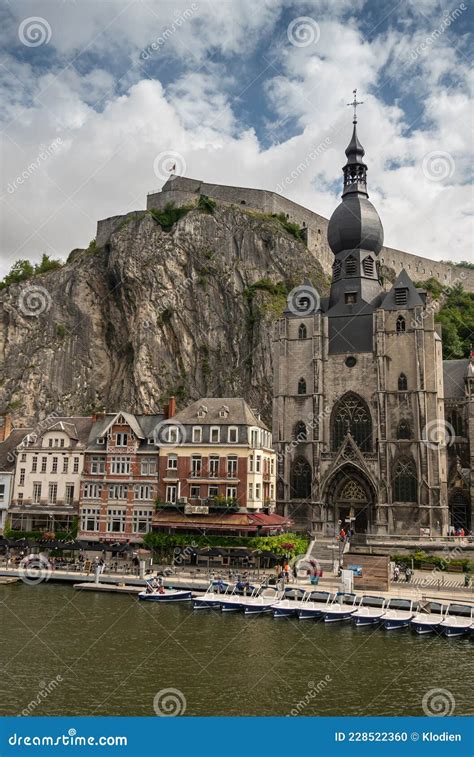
[456,316]
[23,270]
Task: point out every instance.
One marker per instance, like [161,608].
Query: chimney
[171,407]
[98,415]
[5,426]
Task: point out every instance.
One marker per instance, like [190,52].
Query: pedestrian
[407,575]
[396,573]
[467,580]
[286,568]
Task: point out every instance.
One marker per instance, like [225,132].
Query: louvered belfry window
[401,296]
[351,266]
[368,266]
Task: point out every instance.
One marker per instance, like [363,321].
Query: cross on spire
[354,104]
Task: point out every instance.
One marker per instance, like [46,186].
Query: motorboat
[232,602]
[289,605]
[263,601]
[428,618]
[398,613]
[314,604]
[458,621]
[213,595]
[369,610]
[160,594]
[342,607]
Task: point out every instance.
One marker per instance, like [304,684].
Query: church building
[364,435]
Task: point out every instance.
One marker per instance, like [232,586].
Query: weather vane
[354,104]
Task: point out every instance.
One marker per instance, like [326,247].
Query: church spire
[355,170]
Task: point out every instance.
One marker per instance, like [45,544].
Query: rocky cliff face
[187,312]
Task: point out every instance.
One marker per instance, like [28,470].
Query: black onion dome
[354,150]
[355,224]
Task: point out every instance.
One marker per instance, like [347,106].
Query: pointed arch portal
[350,498]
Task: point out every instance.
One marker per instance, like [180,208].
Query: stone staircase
[321,550]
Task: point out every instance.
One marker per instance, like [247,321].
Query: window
[75,466]
[351,266]
[171,493]
[195,492]
[214,434]
[254,437]
[36,493]
[115,520]
[368,266]
[224,411]
[350,361]
[92,491]
[120,465]
[172,463]
[118,491]
[213,466]
[258,491]
[23,457]
[403,430]
[300,433]
[301,386]
[457,424]
[251,464]
[148,466]
[34,464]
[402,383]
[142,521]
[21,482]
[2,492]
[232,434]
[232,467]
[302,331]
[272,466]
[143,492]
[401,296]
[121,439]
[258,463]
[100,440]
[197,434]
[90,518]
[69,496]
[231,492]
[336,270]
[52,494]
[50,442]
[171,435]
[98,464]
[65,464]
[401,324]
[405,483]
[44,462]
[350,298]
[250,491]
[300,479]
[54,466]
[213,491]
[351,415]
[61,442]
[196,466]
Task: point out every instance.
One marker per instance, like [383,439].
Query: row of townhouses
[209,469]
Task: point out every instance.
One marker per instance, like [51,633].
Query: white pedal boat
[370,610]
[399,613]
[211,599]
[261,602]
[429,617]
[166,595]
[342,607]
[458,620]
[290,604]
[314,604]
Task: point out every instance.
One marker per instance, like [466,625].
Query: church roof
[413,298]
[454,372]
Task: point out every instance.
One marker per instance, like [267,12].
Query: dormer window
[224,411]
[401,324]
[121,439]
[214,435]
[197,434]
[401,296]
[202,412]
[232,435]
[100,440]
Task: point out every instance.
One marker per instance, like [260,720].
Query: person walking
[407,575]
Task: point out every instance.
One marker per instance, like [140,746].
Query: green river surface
[113,654]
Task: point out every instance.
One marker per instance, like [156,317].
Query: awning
[249,522]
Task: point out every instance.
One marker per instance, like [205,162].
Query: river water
[108,654]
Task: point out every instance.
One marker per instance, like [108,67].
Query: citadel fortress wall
[180,191]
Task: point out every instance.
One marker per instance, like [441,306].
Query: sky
[99,99]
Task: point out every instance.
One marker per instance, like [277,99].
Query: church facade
[365,435]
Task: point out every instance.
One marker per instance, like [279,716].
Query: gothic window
[459,510]
[456,422]
[353,491]
[351,266]
[336,270]
[301,386]
[302,331]
[405,481]
[402,383]
[403,430]
[300,479]
[351,414]
[300,432]
[368,266]
[401,324]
